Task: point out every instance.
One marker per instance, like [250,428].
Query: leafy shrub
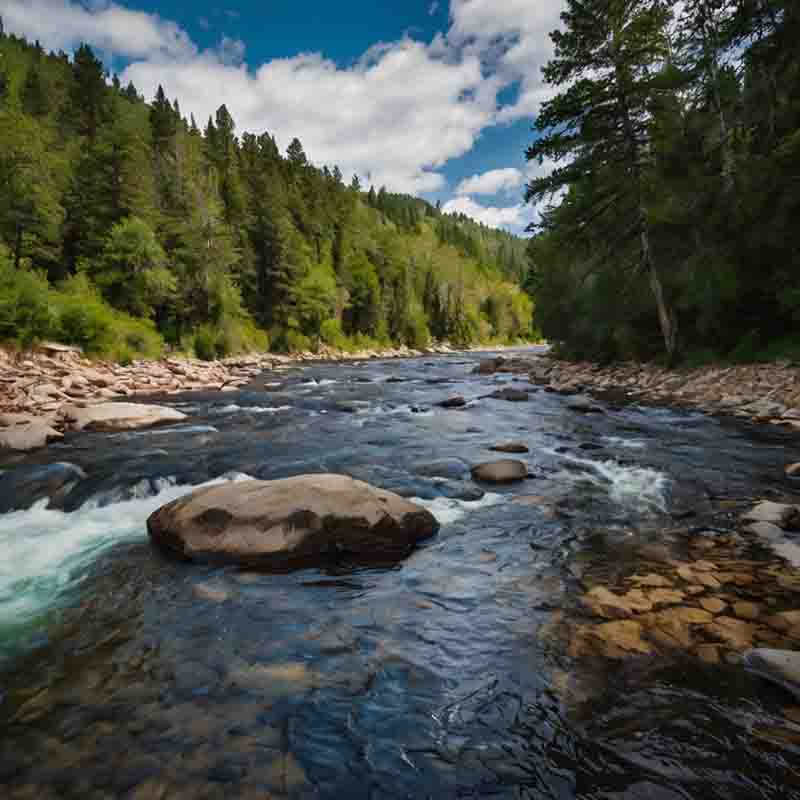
[26,313]
[205,343]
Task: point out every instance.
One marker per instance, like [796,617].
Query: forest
[673,225]
[128,229]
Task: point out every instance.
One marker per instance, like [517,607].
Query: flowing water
[124,674]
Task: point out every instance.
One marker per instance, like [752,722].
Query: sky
[429,97]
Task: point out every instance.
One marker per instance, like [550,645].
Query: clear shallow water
[121,670]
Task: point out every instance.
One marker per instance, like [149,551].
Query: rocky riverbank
[764,393]
[40,389]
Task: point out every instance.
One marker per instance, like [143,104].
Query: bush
[332,334]
[205,343]
[26,313]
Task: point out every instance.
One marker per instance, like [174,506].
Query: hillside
[124,227]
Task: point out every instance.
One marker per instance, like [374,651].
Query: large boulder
[119,416]
[780,514]
[291,522]
[779,666]
[506,470]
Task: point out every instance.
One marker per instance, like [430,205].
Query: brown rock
[793,471]
[290,522]
[510,447]
[734,632]
[708,653]
[604,603]
[619,639]
[652,580]
[30,436]
[665,597]
[504,471]
[453,402]
[748,611]
[713,605]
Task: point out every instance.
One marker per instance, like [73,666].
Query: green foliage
[676,136]
[151,229]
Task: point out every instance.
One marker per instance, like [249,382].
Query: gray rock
[584,405]
[22,487]
[781,514]
[765,530]
[779,666]
[504,471]
[451,468]
[290,523]
[119,416]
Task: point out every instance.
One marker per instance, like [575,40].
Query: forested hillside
[125,226]
[676,136]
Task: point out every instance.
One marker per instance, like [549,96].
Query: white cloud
[515,218]
[395,117]
[492,182]
[63,24]
[513,38]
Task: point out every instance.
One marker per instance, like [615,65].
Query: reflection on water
[127,675]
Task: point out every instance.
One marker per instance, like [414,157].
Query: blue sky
[432,98]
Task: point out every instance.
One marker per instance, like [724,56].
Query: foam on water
[233,408]
[447,510]
[46,552]
[628,444]
[638,488]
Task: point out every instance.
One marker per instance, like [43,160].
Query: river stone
[511,395]
[793,470]
[510,447]
[291,522]
[29,436]
[119,416]
[453,402]
[585,405]
[780,514]
[20,488]
[778,666]
[504,471]
[489,366]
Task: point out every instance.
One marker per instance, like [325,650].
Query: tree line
[124,225]
[672,225]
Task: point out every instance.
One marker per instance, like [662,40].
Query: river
[125,674]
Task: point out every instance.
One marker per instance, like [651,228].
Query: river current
[125,674]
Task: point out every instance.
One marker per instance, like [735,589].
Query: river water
[124,674]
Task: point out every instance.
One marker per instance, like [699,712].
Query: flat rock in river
[291,522]
[780,514]
[506,470]
[453,402]
[28,436]
[119,416]
[510,447]
[778,666]
[511,395]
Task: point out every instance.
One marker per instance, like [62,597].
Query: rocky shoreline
[762,393]
[41,390]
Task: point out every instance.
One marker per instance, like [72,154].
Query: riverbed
[125,674]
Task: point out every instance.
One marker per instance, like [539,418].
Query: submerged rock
[22,487]
[119,416]
[510,447]
[511,395]
[585,405]
[489,366]
[778,666]
[504,471]
[291,522]
[453,402]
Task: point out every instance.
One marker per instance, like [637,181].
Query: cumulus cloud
[63,24]
[395,117]
[512,37]
[492,182]
[515,218]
